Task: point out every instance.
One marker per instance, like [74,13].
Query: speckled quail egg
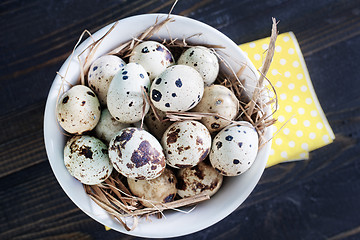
[78,110]
[159,190]
[136,154]
[203,60]
[179,88]
[108,126]
[153,56]
[125,98]
[86,159]
[201,178]
[157,127]
[234,149]
[101,73]
[186,143]
[221,100]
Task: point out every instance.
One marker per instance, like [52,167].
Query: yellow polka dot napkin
[302,125]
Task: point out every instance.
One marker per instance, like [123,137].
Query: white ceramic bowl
[234,190]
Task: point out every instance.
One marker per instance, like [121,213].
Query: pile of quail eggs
[163,159]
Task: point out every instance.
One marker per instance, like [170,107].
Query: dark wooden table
[314,199]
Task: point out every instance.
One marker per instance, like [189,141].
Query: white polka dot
[291,144]
[291,86]
[308,101]
[281,118]
[299,76]
[282,61]
[278,49]
[319,125]
[286,131]
[313,113]
[301,111]
[284,154]
[326,138]
[303,155]
[291,51]
[299,133]
[303,88]
[278,141]
[286,38]
[293,121]
[274,128]
[272,151]
[252,45]
[296,98]
[278,84]
[283,96]
[312,135]
[265,46]
[288,108]
[274,72]
[306,123]
[305,146]
[257,57]
[287,74]
[295,64]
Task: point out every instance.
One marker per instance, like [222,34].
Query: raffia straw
[265,67]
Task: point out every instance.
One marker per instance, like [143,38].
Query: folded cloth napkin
[301,123]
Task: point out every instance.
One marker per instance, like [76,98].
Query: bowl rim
[227,210]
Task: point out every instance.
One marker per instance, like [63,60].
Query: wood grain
[313,199]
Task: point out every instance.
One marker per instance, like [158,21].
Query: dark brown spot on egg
[236,161]
[187,148]
[218,145]
[181,185]
[65,100]
[180,149]
[153,167]
[198,172]
[83,103]
[130,165]
[146,154]
[215,125]
[172,136]
[125,136]
[86,151]
[90,93]
[140,177]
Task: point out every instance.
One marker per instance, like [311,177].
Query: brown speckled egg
[136,154]
[86,159]
[186,143]
[159,190]
[101,73]
[221,100]
[156,127]
[203,60]
[78,110]
[153,56]
[201,178]
[234,149]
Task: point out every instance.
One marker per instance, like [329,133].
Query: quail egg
[203,60]
[86,159]
[221,100]
[153,56]
[156,191]
[234,149]
[201,178]
[78,110]
[179,88]
[186,143]
[101,73]
[136,154]
[126,102]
